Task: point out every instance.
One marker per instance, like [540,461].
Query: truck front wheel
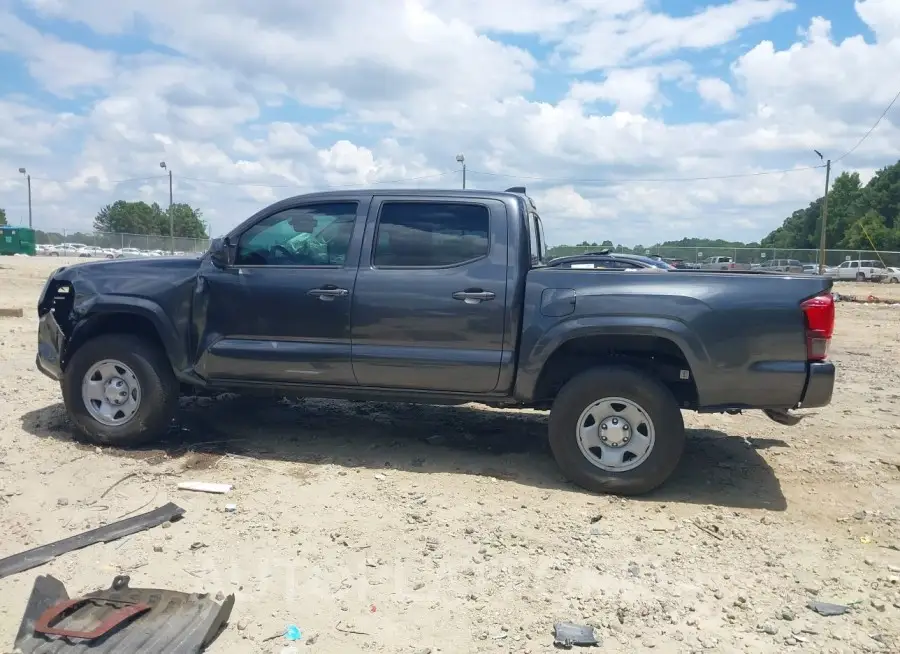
[616,430]
[120,390]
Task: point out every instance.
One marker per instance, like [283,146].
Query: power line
[273,186]
[871,129]
[657,179]
[108,181]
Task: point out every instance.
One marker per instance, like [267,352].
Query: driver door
[277,318]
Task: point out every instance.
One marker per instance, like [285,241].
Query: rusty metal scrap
[119,620]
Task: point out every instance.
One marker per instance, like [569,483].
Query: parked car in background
[606,260]
[782,265]
[893,275]
[67,250]
[130,253]
[723,263]
[862,270]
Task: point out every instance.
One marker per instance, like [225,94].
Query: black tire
[159,390]
[628,383]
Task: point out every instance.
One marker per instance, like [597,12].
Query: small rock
[768,628]
[242,624]
[157,548]
[418,585]
[719,594]
[788,615]
[220,596]
[877,604]
[62,501]
[868,561]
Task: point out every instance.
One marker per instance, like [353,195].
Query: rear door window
[431,234]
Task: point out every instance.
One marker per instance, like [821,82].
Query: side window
[846,264]
[314,235]
[431,234]
[854,264]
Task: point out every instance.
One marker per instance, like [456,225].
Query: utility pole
[28,179]
[460,158]
[162,164]
[822,241]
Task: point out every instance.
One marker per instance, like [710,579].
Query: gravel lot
[432,529]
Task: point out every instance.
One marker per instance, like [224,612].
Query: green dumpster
[16,240]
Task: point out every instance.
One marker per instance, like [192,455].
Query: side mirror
[221,252]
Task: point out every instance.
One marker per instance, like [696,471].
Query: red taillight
[732,266]
[819,313]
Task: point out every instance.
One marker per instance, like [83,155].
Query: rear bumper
[819,385]
[50,347]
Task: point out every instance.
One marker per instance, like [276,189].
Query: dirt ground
[429,529]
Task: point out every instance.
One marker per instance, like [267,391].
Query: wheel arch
[128,315]
[663,353]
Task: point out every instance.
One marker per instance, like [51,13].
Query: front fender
[532,359]
[94,309]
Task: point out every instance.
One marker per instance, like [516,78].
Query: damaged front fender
[150,298]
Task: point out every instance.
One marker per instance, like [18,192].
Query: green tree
[854,210]
[123,217]
[2,216]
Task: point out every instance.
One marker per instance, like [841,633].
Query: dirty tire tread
[159,390]
[630,383]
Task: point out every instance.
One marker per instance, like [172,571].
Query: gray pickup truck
[436,297]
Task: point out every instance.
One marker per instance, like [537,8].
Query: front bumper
[819,386]
[50,347]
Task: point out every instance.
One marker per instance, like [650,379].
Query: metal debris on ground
[120,620]
[113,531]
[869,299]
[827,609]
[567,635]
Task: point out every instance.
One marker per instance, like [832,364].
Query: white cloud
[631,89]
[716,92]
[270,99]
[609,41]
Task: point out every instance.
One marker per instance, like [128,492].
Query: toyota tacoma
[436,297]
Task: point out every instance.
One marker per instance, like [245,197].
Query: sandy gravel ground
[435,529]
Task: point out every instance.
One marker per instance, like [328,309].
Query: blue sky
[579,102]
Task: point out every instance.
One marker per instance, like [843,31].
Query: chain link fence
[741,255]
[115,241]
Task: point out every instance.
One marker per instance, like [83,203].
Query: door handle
[474,296]
[328,293]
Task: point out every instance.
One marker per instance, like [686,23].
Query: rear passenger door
[429,305]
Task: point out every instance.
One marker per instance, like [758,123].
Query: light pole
[461,158]
[162,164]
[822,241]
[28,178]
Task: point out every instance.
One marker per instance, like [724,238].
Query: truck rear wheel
[616,430]
[120,390]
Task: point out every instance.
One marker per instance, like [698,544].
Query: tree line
[860,217]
